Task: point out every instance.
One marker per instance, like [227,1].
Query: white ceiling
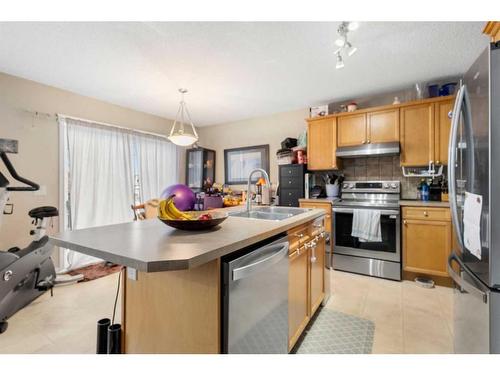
[233,70]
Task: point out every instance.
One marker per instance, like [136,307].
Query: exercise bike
[25,274]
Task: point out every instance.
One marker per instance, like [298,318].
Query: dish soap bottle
[425,191]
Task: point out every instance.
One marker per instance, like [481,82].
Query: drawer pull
[426,213]
[405,222]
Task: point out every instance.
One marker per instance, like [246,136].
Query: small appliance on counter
[317,191]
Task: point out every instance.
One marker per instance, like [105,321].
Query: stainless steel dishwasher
[255,299]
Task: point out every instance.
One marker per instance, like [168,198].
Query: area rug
[333,332]
[96,271]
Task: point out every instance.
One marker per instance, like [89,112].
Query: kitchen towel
[366,225]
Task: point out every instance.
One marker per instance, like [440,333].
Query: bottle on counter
[425,191]
[419,189]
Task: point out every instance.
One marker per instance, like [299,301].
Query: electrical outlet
[132,273]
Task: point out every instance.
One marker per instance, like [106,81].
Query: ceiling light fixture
[183,132]
[352,25]
[340,61]
[343,43]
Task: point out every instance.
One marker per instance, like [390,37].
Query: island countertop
[151,246]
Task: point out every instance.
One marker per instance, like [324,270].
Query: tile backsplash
[379,168]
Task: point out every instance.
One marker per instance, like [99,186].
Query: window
[106,169]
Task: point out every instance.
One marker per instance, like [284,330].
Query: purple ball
[184,198]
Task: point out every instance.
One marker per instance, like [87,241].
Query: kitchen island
[171,287]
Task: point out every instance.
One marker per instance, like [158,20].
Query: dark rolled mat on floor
[96,271]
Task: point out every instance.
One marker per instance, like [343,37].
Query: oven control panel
[372,186]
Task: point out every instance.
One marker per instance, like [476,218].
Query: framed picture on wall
[239,162]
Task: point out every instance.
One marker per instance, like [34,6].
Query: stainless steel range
[375,258]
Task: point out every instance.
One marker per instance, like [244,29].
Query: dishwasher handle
[281,251]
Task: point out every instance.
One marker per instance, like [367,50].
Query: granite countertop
[151,246]
[418,203]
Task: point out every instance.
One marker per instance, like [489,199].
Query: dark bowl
[194,225]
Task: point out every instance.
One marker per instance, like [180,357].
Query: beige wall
[258,131]
[38,157]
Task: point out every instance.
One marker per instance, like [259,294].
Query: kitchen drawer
[290,197]
[426,213]
[327,207]
[291,182]
[291,170]
[297,237]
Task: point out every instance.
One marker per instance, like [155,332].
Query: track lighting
[351,50]
[343,43]
[351,26]
[340,61]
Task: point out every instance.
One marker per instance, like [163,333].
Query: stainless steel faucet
[249,196]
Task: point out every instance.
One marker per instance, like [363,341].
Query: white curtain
[101,164]
[156,162]
[100,181]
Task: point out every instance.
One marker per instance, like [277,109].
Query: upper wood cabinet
[322,144]
[442,129]
[492,28]
[417,134]
[371,127]
[351,130]
[424,133]
[382,126]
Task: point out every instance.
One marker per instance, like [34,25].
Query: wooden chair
[147,210]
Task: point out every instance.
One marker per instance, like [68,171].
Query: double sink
[270,213]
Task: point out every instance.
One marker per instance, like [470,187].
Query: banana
[163,211]
[174,212]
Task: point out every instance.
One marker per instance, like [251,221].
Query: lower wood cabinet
[298,295]
[321,205]
[427,240]
[306,278]
[317,267]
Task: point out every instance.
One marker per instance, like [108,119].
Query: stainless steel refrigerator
[474,167]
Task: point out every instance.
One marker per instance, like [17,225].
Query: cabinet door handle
[426,213]
[368,141]
[405,222]
[363,142]
[313,254]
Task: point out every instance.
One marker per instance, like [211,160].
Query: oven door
[387,249]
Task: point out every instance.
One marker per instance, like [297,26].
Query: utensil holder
[115,339]
[102,336]
[332,190]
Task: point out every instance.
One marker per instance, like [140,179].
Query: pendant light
[183,132]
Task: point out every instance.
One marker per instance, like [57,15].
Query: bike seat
[42,212]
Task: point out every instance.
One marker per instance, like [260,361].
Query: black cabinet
[291,179]
[200,168]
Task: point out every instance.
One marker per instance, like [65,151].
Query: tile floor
[408,318]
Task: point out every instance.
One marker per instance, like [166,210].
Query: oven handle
[351,210]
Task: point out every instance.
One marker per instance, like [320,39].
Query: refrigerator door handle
[477,289]
[275,257]
[452,160]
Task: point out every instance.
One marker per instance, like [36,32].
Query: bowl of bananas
[188,220]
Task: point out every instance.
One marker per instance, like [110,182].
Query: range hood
[369,149]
